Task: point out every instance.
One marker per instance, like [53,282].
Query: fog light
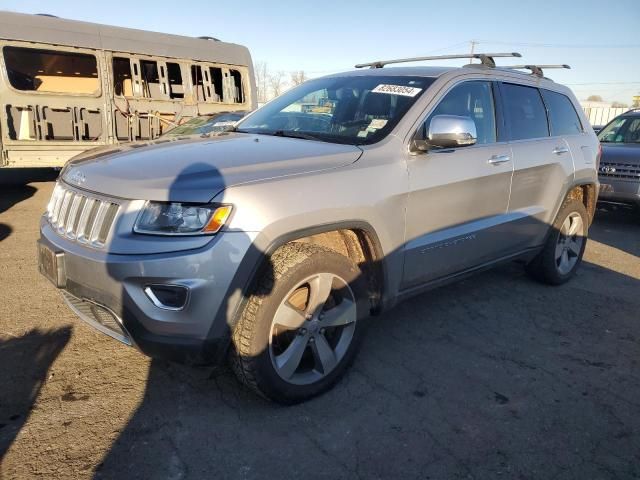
[168,297]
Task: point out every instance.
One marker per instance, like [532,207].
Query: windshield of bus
[356,110]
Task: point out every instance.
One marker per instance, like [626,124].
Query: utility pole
[473,47]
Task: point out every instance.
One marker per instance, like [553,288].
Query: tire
[568,235]
[281,337]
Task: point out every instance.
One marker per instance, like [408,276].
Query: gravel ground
[494,376]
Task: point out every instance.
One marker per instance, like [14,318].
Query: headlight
[171,218]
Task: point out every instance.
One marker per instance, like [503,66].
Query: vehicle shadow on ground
[493,375]
[10,196]
[460,381]
[28,357]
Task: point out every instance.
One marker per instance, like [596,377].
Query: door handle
[560,150]
[498,159]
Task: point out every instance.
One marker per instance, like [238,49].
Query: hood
[196,169]
[627,153]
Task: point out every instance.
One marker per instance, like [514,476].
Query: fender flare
[252,262]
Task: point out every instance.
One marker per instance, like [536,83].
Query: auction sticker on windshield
[397,90]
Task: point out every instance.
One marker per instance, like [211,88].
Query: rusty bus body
[68,86]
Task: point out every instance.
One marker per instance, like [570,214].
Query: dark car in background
[619,171]
[206,124]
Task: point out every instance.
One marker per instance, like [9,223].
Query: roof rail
[536,69]
[485,58]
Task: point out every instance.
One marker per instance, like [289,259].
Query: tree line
[270,84]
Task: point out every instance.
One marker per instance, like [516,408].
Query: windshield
[355,110]
[621,130]
[206,124]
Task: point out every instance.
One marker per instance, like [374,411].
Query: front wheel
[299,330]
[564,248]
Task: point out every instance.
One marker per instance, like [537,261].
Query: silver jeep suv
[272,244]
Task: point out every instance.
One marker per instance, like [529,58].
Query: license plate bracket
[51,265]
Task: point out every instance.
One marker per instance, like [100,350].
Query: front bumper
[619,190]
[107,291]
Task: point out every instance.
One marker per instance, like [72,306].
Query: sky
[600,40]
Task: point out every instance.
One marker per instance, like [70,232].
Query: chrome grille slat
[71,216]
[620,170]
[62,214]
[84,218]
[76,221]
[91,220]
[56,207]
[97,224]
[81,217]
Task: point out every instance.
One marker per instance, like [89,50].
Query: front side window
[621,130]
[51,71]
[474,100]
[562,115]
[525,112]
[356,110]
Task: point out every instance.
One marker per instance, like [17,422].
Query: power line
[561,45]
[605,83]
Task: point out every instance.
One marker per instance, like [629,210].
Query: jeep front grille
[81,217]
[620,170]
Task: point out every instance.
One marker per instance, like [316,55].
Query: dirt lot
[496,376]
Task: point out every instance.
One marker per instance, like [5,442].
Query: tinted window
[51,71]
[526,113]
[562,116]
[471,99]
[621,130]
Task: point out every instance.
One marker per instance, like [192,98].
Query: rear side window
[51,71]
[563,118]
[526,113]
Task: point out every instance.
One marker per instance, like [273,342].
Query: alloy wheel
[312,329]
[569,243]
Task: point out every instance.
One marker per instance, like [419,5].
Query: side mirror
[447,131]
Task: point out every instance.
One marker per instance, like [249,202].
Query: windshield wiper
[294,134]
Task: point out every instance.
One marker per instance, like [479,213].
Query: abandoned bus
[68,86]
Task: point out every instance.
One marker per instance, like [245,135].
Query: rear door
[543,165]
[565,123]
[458,197]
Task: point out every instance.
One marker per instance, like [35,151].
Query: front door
[458,198]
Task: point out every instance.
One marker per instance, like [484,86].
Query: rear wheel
[563,251]
[299,330]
